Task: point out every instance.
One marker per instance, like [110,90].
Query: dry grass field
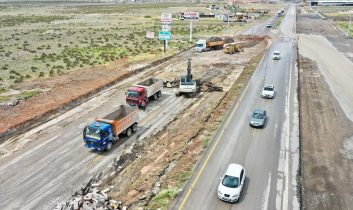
[42,40]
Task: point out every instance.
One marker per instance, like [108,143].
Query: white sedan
[276,55]
[232,182]
[268,91]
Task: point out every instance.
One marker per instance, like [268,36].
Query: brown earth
[59,90]
[165,161]
[326,142]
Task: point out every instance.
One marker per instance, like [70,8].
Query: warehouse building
[331,2]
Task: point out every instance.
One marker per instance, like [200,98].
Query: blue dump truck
[103,132]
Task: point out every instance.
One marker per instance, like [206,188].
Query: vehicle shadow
[245,190]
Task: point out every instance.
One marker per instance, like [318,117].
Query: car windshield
[132,94]
[199,45]
[230,181]
[257,116]
[268,88]
[93,133]
[276,53]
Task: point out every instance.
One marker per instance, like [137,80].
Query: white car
[276,55]
[232,182]
[269,25]
[268,91]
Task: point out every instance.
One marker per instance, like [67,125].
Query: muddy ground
[325,131]
[327,149]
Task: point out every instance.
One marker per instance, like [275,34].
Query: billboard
[192,16]
[166,27]
[149,34]
[166,17]
[164,35]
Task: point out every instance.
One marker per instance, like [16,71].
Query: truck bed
[120,119]
[215,43]
[148,82]
[152,85]
[118,114]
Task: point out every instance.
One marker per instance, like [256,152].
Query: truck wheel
[155,96]
[128,132]
[134,127]
[109,146]
[159,93]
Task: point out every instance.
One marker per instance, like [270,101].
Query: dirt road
[52,157]
[326,116]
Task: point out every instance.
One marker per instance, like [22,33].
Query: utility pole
[349,26]
[190,38]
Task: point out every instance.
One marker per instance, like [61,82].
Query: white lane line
[286,167]
[283,164]
[253,133]
[275,130]
[266,194]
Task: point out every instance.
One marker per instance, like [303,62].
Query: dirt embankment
[327,144]
[152,176]
[62,93]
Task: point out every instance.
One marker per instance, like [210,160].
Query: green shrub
[41,74]
[19,79]
[162,199]
[29,94]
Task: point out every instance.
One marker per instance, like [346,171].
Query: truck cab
[98,136]
[200,45]
[135,95]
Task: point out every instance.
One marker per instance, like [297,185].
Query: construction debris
[171,84]
[93,200]
[206,86]
[210,87]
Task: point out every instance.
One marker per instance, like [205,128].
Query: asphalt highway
[265,153]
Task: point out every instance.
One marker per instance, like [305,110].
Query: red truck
[141,93]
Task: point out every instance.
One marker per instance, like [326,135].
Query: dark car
[258,118]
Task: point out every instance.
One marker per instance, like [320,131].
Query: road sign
[166,17]
[164,35]
[166,27]
[150,34]
[192,16]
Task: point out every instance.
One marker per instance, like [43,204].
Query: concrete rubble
[94,199]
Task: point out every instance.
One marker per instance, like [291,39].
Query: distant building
[331,2]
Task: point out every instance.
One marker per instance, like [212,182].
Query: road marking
[285,191]
[253,133]
[266,194]
[275,130]
[214,147]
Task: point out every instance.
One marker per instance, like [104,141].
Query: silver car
[258,118]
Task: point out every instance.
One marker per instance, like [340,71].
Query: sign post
[191,16]
[166,20]
[190,37]
[165,36]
